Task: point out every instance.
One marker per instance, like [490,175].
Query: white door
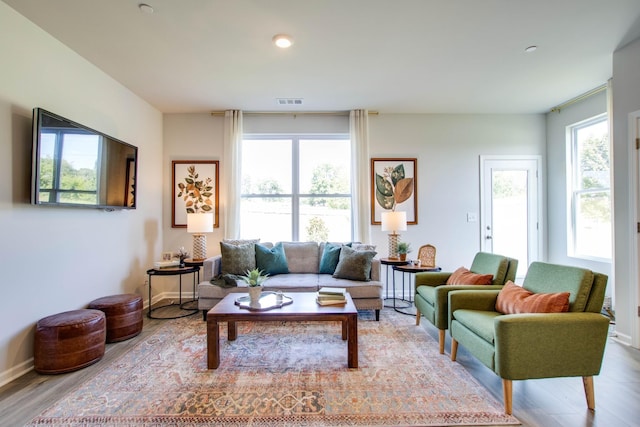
[510,208]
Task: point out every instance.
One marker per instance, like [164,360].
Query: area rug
[281,374]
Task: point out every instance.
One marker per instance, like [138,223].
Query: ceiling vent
[289,101]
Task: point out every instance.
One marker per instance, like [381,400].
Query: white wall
[626,99]
[59,259]
[557,182]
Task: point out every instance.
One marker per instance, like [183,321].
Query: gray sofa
[303,260]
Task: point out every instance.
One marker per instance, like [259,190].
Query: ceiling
[392,56]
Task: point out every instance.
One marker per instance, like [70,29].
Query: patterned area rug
[284,374]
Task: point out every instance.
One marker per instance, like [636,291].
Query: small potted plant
[182,255]
[254,278]
[403,249]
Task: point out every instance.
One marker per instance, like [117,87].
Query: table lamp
[198,223]
[394,221]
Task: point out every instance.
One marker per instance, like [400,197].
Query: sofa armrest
[441,303]
[546,345]
[431,278]
[211,267]
[375,269]
[473,300]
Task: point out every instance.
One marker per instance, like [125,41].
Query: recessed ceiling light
[145,8]
[531,49]
[282,40]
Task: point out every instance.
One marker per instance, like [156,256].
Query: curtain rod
[578,98]
[294,113]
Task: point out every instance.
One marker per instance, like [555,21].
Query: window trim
[574,190]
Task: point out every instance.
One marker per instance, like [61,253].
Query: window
[590,190]
[69,167]
[296,188]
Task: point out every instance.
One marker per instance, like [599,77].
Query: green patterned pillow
[354,265]
[237,259]
[271,261]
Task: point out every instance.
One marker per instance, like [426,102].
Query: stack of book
[332,296]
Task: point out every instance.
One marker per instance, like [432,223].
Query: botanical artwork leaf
[387,202]
[397,174]
[383,186]
[404,190]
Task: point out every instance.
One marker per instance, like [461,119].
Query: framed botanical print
[394,188]
[195,190]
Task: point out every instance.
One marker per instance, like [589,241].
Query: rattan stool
[69,341]
[124,315]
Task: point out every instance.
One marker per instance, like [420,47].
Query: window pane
[325,219]
[325,166]
[267,218]
[593,155]
[266,167]
[593,225]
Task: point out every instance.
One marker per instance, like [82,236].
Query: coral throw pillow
[514,299]
[463,276]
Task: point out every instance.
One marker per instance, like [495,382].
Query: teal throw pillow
[330,258]
[271,261]
[354,265]
[237,259]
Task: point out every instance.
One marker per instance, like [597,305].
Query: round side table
[181,305]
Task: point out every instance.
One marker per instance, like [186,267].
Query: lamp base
[199,247]
[393,245]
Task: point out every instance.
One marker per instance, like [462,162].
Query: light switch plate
[472,217]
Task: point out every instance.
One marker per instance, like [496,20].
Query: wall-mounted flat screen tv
[74,165]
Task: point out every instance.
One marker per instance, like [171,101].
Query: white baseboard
[622,339]
[16,371]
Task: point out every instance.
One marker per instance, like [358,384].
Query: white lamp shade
[394,221]
[199,223]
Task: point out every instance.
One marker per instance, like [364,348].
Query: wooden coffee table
[303,308]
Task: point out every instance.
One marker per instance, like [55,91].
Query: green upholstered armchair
[536,345]
[431,289]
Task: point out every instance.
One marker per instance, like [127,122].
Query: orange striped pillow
[514,299]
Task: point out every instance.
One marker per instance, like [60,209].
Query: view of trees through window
[299,186]
[68,168]
[591,189]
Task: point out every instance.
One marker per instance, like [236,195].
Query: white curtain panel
[361,201]
[232,173]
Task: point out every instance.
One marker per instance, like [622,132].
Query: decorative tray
[268,301]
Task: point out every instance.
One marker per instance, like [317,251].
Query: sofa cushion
[330,258]
[363,247]
[302,257]
[463,276]
[514,299]
[354,265]
[237,259]
[488,263]
[543,277]
[479,322]
[271,261]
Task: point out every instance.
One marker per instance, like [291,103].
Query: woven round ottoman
[124,315]
[69,341]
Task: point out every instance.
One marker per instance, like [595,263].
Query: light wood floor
[536,403]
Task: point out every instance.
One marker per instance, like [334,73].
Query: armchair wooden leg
[454,349]
[441,340]
[417,317]
[589,393]
[507,392]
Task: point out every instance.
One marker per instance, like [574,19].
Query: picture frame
[130,184]
[167,256]
[394,186]
[195,189]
